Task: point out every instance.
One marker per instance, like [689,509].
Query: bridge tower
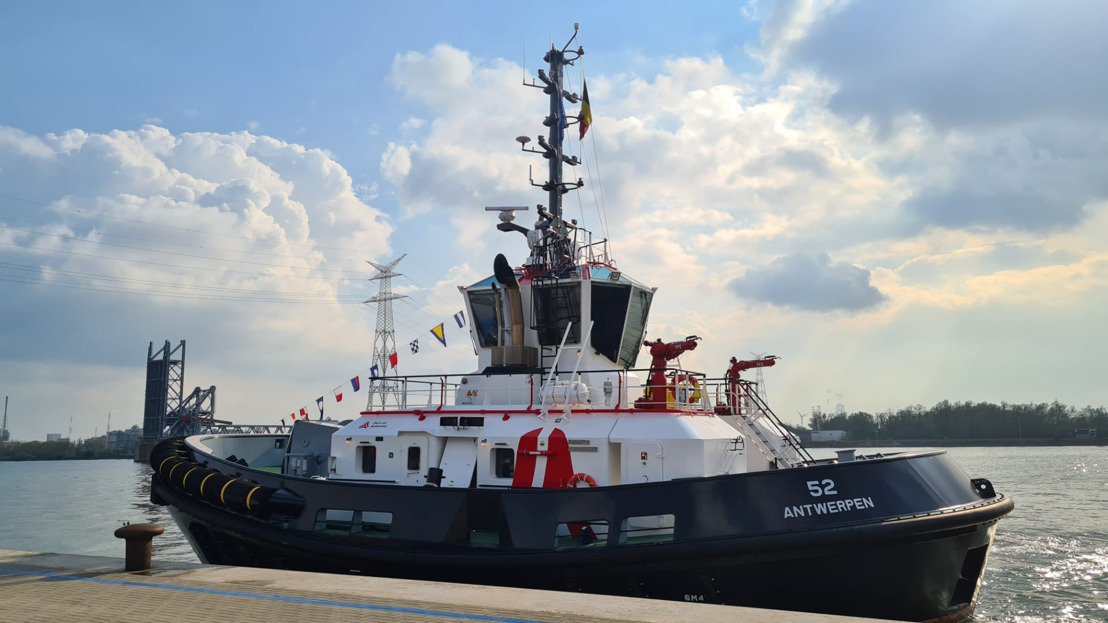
[168,412]
[165,387]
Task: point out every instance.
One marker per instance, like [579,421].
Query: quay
[93,589]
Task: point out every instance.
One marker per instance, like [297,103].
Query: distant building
[1084,433]
[124,438]
[828,435]
[53,436]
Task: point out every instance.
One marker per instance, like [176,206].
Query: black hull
[921,564]
[908,578]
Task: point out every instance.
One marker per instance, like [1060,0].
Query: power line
[149,263]
[132,281]
[120,290]
[202,257]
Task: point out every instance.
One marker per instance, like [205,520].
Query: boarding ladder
[784,446]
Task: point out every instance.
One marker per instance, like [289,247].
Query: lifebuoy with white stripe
[581,477]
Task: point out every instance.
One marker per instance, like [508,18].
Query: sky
[905,202]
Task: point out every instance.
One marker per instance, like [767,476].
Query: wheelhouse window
[413,459]
[483,304]
[504,462]
[368,459]
[555,305]
[609,312]
[637,313]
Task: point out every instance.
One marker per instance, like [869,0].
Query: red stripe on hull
[559,465]
[525,459]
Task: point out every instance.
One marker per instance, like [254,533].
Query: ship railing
[243,429]
[566,385]
[683,390]
[574,388]
[437,391]
[427,393]
[591,252]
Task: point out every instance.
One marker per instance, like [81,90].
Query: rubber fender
[241,495]
[175,471]
[174,447]
[215,488]
[174,465]
[199,481]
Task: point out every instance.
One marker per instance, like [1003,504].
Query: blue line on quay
[297,600]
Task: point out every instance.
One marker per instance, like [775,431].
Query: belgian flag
[585,118]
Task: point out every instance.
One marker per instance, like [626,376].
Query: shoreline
[952,443]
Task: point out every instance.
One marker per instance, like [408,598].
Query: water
[1049,563]
[73,507]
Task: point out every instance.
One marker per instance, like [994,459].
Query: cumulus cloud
[810,282]
[248,247]
[709,172]
[787,23]
[466,160]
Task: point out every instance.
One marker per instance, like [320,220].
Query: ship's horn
[504,273]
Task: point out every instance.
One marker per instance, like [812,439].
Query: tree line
[967,420]
[61,450]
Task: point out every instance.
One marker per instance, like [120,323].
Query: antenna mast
[4,436]
[551,246]
[384,336]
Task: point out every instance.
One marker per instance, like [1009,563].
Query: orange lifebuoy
[581,477]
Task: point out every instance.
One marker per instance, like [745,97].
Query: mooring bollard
[139,537]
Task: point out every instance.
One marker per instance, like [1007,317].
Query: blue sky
[318,75]
[905,202]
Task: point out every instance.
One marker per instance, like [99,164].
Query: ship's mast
[550,240]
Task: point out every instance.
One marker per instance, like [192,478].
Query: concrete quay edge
[44,586]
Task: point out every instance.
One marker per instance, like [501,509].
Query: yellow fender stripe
[185,480]
[203,481]
[173,469]
[248,497]
[163,463]
[224,489]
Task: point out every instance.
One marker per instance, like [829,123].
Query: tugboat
[557,465]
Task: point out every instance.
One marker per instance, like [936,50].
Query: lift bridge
[169,412]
